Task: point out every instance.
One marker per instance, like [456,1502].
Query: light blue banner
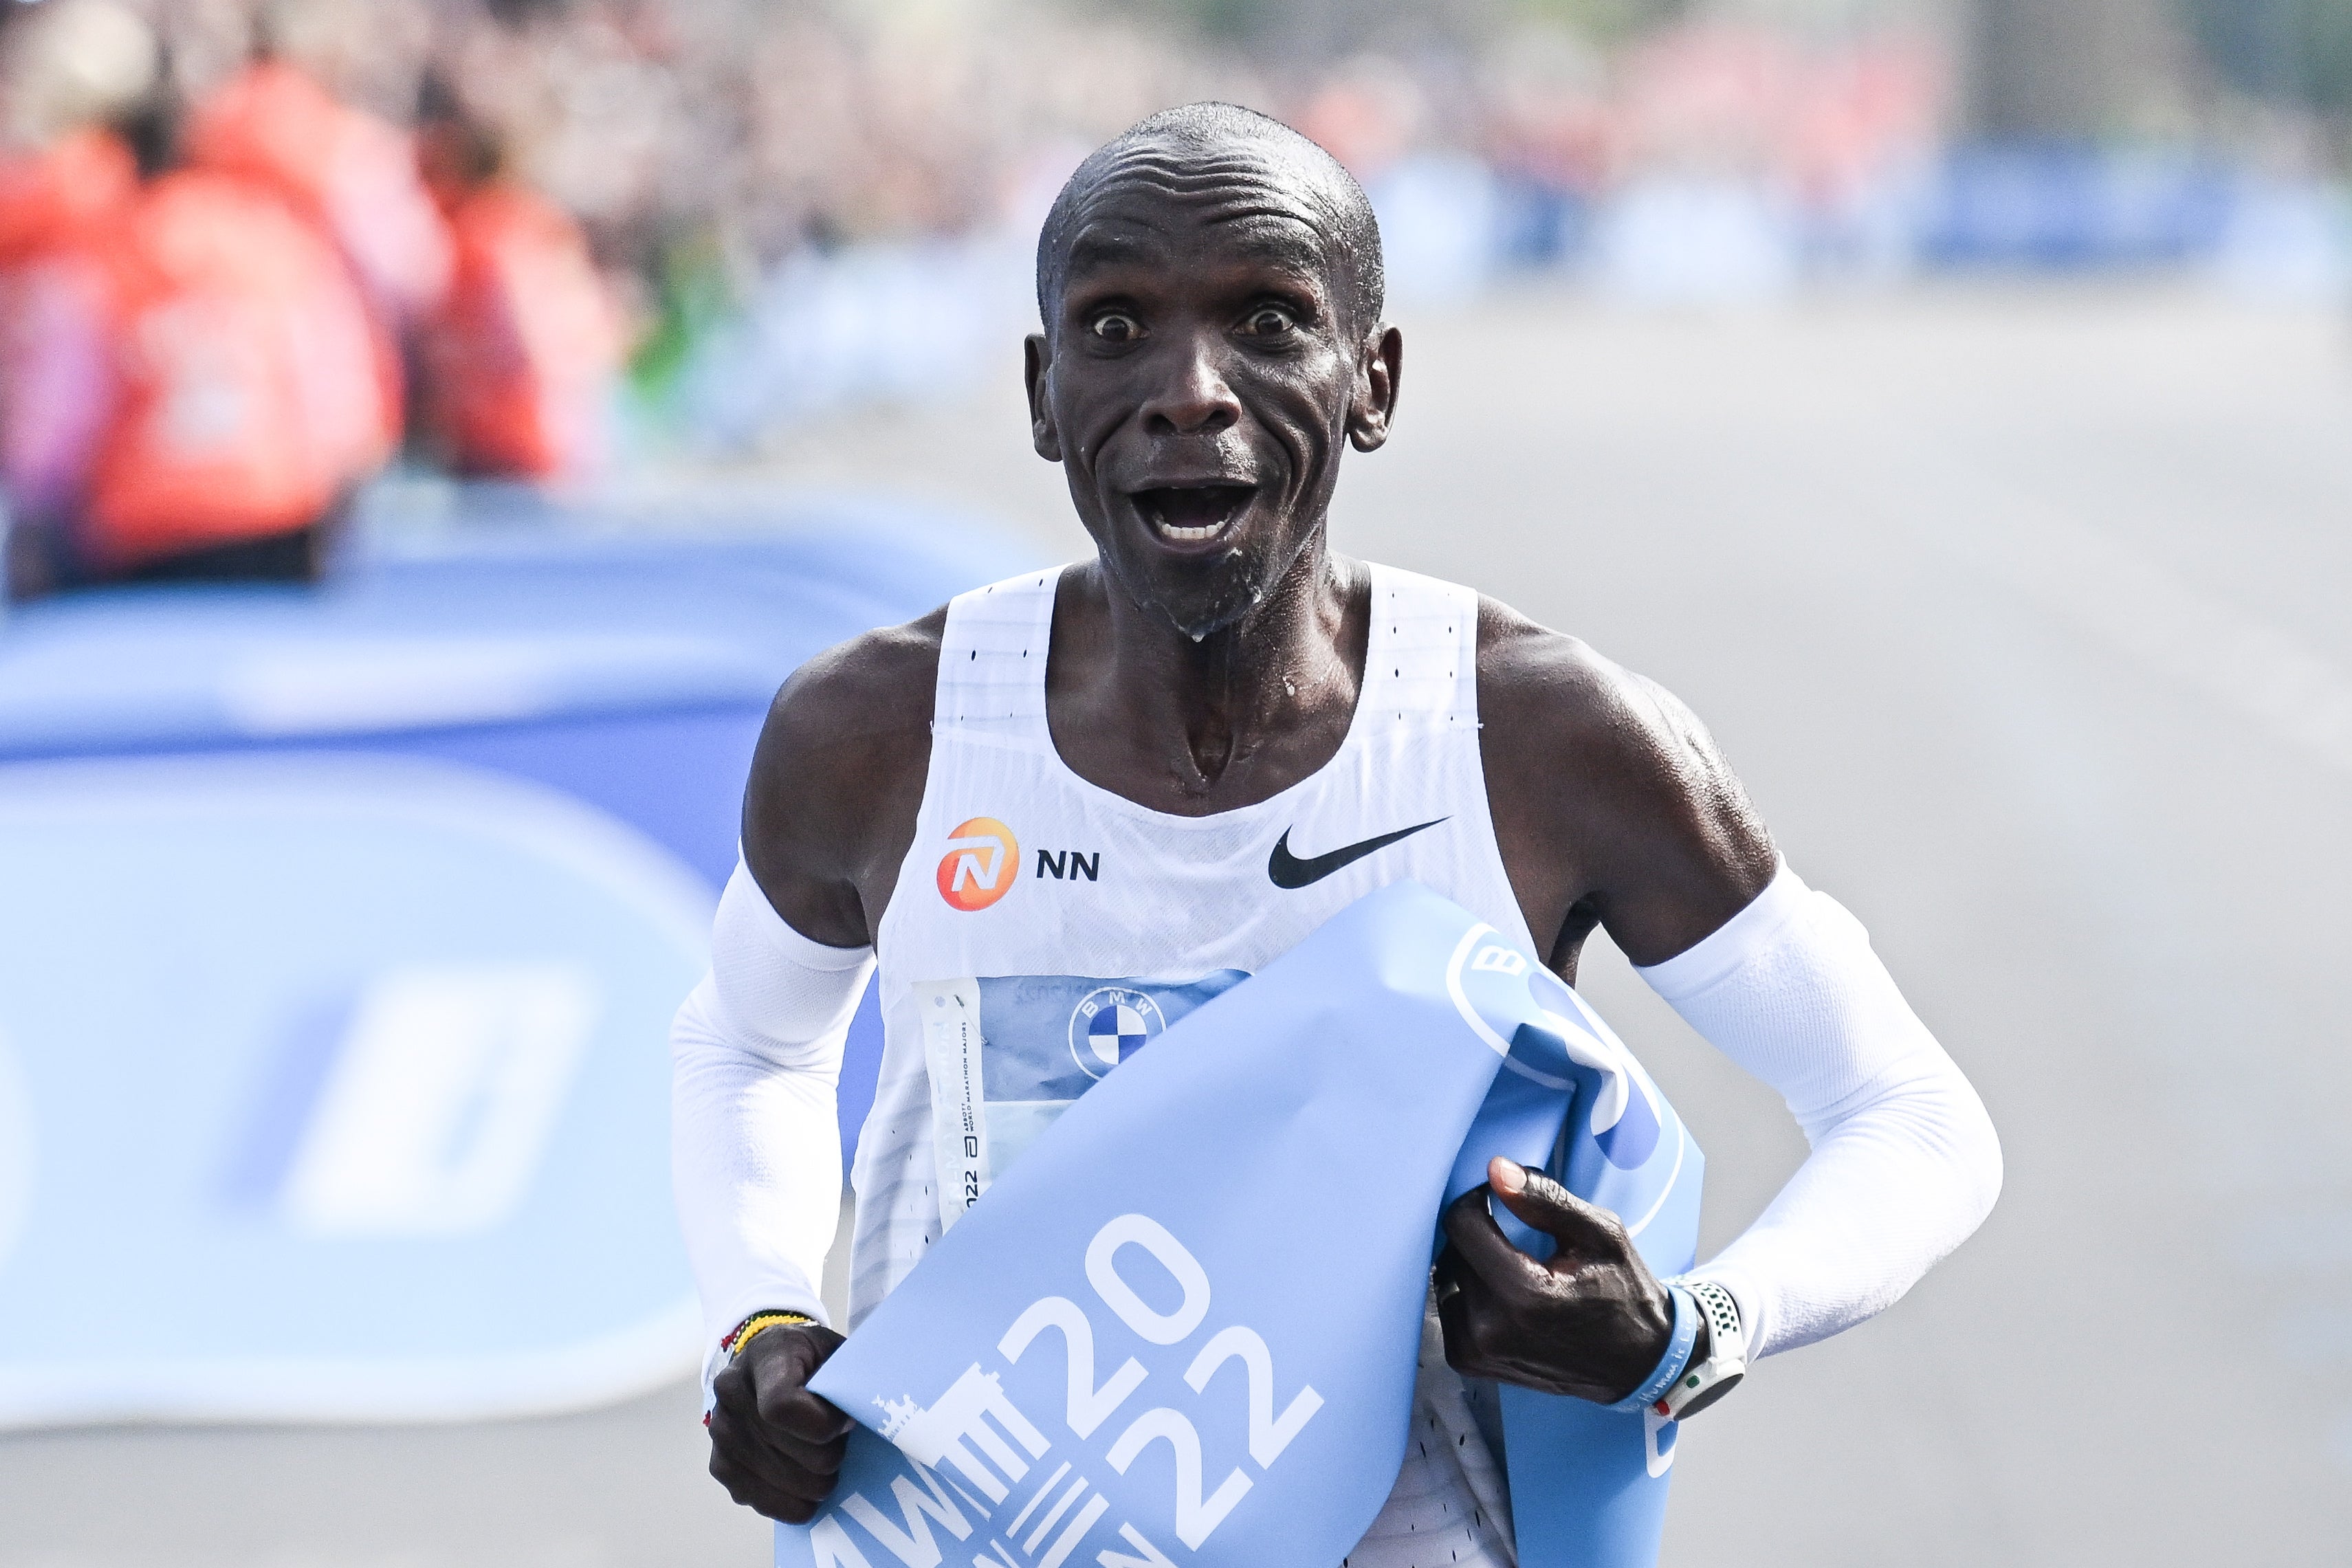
[341,929]
[355,1086]
[1183,1328]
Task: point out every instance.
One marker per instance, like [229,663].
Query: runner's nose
[1194,400]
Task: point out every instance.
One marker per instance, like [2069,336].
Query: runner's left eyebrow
[1282,237]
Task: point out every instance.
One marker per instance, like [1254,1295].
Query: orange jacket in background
[350,172]
[353,175]
[63,194]
[520,361]
[61,208]
[249,398]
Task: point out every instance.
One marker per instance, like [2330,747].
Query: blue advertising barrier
[1258,1186]
[340,931]
[2060,207]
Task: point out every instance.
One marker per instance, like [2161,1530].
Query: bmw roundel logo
[1110,1024]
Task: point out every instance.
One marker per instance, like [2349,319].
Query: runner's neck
[1141,708]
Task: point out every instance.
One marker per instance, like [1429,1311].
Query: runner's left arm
[1905,1162]
[1616,811]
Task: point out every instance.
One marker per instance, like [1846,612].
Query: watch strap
[1702,1382]
[1679,1339]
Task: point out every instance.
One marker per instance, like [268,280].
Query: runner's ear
[1036,363]
[1380,368]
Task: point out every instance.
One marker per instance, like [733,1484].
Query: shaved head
[1210,284]
[1225,139]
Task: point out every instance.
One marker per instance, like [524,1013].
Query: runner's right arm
[755,1150]
[755,1162]
[756,1050]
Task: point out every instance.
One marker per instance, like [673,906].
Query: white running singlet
[1042,929]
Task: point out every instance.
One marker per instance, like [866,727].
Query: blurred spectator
[64,181]
[521,357]
[195,382]
[248,399]
[713,200]
[57,205]
[353,175]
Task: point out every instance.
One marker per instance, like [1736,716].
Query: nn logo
[981,866]
[1058,863]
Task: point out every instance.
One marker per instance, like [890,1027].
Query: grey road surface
[2025,616]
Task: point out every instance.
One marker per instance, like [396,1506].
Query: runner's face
[1199,379]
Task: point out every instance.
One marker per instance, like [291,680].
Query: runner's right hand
[775,1446]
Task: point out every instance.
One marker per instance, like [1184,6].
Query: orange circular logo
[981,862]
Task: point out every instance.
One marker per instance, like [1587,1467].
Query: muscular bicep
[1612,804]
[837,779]
[788,809]
[1684,849]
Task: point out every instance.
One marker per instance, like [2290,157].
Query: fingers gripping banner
[1182,1332]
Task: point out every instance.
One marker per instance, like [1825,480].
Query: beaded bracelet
[734,1343]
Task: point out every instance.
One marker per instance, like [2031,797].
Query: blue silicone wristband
[1677,1358]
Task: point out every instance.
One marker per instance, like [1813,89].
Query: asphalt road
[2024,615]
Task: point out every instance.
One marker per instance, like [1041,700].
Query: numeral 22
[1268,1436]
[1194,1518]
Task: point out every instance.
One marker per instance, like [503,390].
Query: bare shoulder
[838,776]
[1546,690]
[1604,785]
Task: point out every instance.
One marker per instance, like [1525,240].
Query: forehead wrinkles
[1236,186]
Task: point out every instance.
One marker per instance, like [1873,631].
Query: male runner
[1211,737]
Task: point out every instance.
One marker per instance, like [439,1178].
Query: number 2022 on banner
[981,1446]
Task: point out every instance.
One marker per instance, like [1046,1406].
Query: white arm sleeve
[1905,1161]
[755,1148]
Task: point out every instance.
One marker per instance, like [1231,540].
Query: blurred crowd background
[252,251]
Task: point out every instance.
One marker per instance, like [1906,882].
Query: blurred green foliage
[693,292]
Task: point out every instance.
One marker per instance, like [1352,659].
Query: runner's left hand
[1591,1320]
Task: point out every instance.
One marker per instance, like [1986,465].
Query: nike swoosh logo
[1285,870]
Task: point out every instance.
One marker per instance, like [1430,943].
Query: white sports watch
[1705,1382]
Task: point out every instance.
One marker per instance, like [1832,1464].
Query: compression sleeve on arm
[755,1147]
[1905,1161]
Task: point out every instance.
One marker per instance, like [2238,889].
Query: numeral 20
[1089,1406]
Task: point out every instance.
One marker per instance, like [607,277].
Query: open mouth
[1188,514]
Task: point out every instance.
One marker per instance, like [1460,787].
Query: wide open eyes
[1265,323]
[1269,321]
[1116,327]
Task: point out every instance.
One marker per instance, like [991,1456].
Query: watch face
[1708,1397]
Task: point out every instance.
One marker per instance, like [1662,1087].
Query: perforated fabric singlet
[1083,924]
